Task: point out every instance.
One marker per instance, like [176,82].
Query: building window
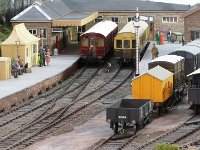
[115,19]
[44,33]
[170,19]
[130,19]
[33,31]
[81,29]
[195,35]
[99,19]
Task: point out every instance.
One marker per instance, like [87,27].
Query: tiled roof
[62,9]
[194,9]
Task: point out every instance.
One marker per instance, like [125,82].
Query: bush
[4,33]
[164,146]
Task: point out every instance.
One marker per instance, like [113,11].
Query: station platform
[162,49]
[14,90]
[84,136]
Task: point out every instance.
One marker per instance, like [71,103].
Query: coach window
[133,43]
[126,43]
[100,42]
[84,42]
[119,43]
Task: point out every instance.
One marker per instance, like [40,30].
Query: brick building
[192,23]
[61,20]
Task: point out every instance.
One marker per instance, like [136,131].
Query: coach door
[92,46]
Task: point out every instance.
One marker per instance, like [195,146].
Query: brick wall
[27,93]
[192,23]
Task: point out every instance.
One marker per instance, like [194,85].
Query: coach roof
[129,27]
[168,58]
[103,27]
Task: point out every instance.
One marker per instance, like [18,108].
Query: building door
[57,41]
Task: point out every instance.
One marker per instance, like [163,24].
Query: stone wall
[158,25]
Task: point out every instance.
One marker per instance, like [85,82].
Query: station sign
[57,30]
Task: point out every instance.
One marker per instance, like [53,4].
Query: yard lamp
[17,42]
[137,55]
[42,31]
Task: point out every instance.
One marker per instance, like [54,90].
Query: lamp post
[17,42]
[42,32]
[137,55]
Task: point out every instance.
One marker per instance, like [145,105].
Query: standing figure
[40,57]
[161,38]
[43,57]
[48,57]
[20,61]
[169,36]
[158,37]
[183,41]
[154,51]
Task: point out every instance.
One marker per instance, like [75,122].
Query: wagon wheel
[116,127]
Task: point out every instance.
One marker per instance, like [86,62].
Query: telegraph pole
[137,55]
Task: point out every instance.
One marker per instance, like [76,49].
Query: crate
[5,68]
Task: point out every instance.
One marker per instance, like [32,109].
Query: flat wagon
[129,112]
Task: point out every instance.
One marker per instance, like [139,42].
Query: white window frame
[80,29]
[98,19]
[168,19]
[44,33]
[130,18]
[114,19]
[31,31]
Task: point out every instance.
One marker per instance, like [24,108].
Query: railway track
[34,129]
[170,137]
[178,135]
[41,113]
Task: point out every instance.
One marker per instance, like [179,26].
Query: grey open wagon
[129,112]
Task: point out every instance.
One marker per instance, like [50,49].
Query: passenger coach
[125,41]
[97,42]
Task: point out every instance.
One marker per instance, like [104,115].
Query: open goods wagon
[129,112]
